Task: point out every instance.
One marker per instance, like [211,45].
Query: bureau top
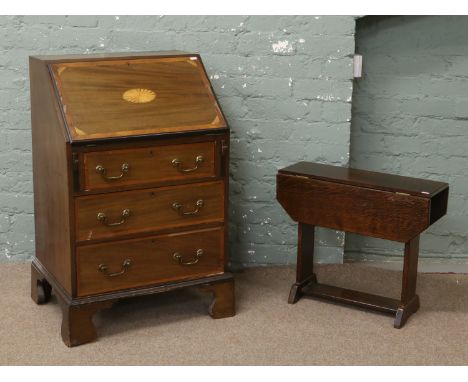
[367,179]
[108,96]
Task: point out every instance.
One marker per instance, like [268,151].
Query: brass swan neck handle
[178,207]
[178,257]
[103,171]
[178,164]
[102,217]
[104,268]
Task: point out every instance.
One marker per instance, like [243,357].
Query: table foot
[295,293]
[404,312]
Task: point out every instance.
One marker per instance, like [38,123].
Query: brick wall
[410,117]
[284,83]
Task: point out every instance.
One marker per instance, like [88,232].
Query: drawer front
[126,167]
[139,262]
[386,215]
[110,215]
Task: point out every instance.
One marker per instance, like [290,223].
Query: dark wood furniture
[130,157]
[368,203]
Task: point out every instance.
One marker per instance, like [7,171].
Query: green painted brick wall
[410,117]
[284,82]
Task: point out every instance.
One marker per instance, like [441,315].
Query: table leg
[305,261]
[409,302]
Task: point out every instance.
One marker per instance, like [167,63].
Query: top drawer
[125,167]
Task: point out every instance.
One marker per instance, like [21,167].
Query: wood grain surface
[367,179]
[53,212]
[386,215]
[183,99]
[150,210]
[152,260]
[148,165]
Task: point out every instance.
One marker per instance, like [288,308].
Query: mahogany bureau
[130,161]
[368,203]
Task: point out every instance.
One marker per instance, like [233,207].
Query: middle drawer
[119,213]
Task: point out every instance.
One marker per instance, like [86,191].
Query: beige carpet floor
[174,329]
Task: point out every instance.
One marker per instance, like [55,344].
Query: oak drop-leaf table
[369,203]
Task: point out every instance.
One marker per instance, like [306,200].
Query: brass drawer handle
[105,269]
[178,207]
[178,257]
[102,170]
[101,216]
[177,164]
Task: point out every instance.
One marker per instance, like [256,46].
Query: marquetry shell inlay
[139,95]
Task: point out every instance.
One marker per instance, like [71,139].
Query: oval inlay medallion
[139,95]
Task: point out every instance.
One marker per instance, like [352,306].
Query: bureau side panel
[51,178]
[381,214]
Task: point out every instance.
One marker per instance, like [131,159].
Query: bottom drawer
[152,260]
